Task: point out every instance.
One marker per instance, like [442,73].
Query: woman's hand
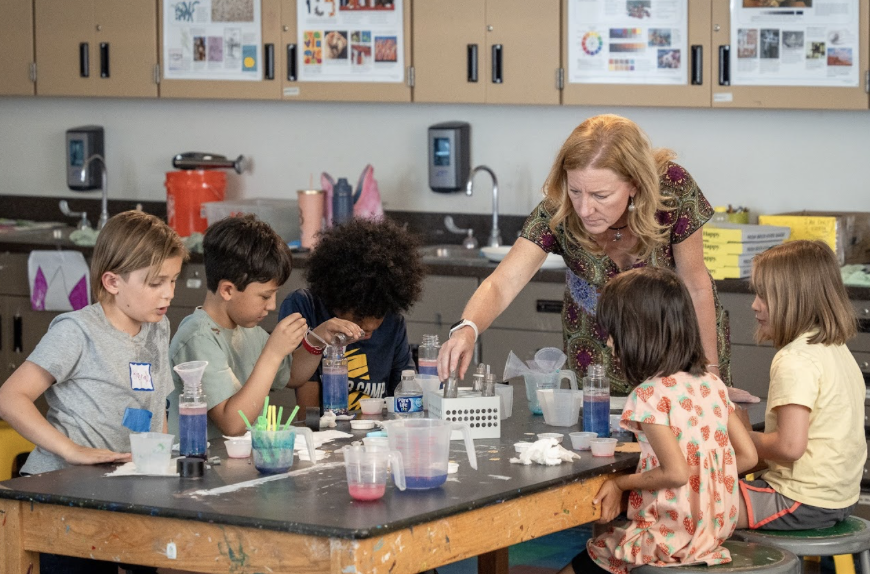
[456,353]
[610,498]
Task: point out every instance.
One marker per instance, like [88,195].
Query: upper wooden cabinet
[267,88]
[486,51]
[96,47]
[16,45]
[726,59]
[695,92]
[292,59]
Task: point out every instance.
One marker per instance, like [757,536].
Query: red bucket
[186,191]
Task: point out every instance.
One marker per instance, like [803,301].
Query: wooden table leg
[495,562]
[14,559]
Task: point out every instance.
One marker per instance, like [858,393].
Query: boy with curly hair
[361,276]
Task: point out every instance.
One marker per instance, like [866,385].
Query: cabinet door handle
[472,63]
[548,306]
[104,59]
[17,334]
[725,65]
[291,62]
[84,60]
[497,57]
[697,65]
[269,57]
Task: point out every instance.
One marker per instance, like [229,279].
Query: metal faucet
[83,176]
[495,233]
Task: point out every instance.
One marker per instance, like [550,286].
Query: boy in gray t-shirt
[106,362]
[245,263]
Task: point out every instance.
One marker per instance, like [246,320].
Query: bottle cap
[190,467]
[409,373]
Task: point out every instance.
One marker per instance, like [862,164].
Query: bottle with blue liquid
[427,355]
[333,375]
[192,411]
[596,401]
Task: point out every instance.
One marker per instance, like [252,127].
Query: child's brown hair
[801,284]
[132,240]
[649,315]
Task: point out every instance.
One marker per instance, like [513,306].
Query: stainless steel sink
[450,252]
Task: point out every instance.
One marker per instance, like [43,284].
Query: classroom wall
[770,161]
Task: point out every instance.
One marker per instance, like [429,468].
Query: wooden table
[305,521]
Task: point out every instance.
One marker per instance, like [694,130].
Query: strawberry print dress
[685,525]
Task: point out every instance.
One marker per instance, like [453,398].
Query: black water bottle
[342,202]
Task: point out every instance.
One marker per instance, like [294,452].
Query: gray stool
[851,536]
[745,557]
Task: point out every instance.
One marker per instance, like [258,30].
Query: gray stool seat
[851,536]
[745,557]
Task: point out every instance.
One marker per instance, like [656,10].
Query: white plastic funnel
[191,372]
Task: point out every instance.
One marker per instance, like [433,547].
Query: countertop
[26,241]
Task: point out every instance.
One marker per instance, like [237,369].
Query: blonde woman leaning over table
[611,203]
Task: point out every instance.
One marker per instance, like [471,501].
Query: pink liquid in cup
[366,492]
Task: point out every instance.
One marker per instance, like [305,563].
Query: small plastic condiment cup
[580,440]
[521,446]
[372,406]
[238,447]
[603,446]
[556,435]
[362,425]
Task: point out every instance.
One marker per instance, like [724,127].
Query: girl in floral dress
[683,499]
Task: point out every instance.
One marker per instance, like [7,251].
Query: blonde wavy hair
[801,284]
[611,142]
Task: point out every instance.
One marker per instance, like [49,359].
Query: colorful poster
[795,43]
[212,40]
[350,41]
[627,41]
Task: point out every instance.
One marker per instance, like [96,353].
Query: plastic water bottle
[409,395]
[342,202]
[427,355]
[333,375]
[192,411]
[596,401]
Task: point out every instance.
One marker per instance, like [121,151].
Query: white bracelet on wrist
[464,323]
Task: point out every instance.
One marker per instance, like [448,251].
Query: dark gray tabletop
[314,500]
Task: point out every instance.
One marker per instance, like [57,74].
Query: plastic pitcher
[425,447]
[367,471]
[552,380]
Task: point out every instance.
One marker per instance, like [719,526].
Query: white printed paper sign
[350,40]
[212,40]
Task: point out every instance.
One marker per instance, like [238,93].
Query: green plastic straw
[278,420]
[244,418]
[266,407]
[292,416]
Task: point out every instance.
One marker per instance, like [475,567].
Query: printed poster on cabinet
[627,41]
[212,40]
[795,43]
[350,40]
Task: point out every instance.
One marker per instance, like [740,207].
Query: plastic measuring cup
[425,447]
[151,452]
[367,471]
[551,380]
[273,449]
[561,407]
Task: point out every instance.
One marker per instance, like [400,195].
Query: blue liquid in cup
[596,414]
[423,482]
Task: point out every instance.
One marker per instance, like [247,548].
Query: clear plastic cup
[372,406]
[603,446]
[273,449]
[580,440]
[367,472]
[151,452]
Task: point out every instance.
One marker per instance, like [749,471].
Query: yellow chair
[12,444]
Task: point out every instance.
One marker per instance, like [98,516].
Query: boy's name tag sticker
[140,377]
